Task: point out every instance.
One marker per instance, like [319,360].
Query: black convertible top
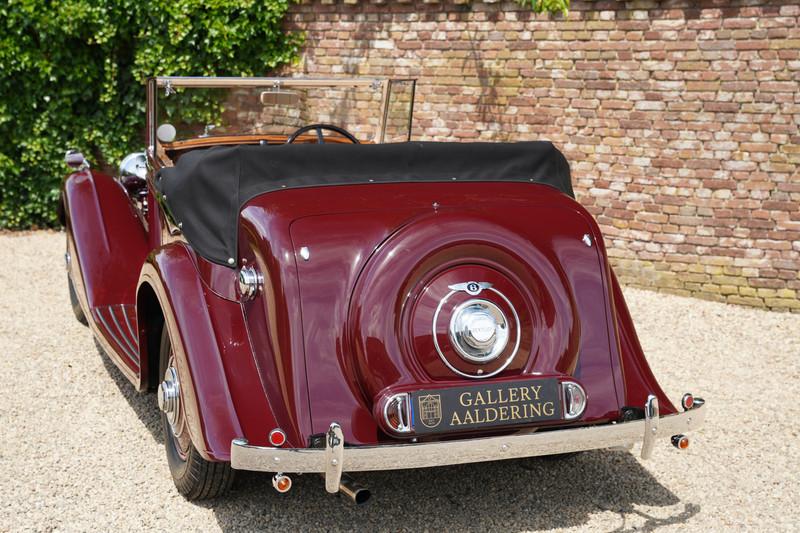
[206,189]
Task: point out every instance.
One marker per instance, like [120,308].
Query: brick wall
[681,119]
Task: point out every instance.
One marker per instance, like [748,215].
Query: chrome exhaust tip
[356,493]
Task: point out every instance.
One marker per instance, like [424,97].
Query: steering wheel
[319,127]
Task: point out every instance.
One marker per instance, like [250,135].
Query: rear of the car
[420,304]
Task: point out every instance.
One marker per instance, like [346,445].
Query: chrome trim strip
[112,312]
[451,452]
[97,311]
[222,81]
[133,333]
[411,111]
[114,356]
[386,90]
[150,123]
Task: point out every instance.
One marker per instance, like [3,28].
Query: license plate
[483,406]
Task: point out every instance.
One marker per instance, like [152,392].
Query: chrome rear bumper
[335,459]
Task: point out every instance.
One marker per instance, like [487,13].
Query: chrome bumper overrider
[335,459]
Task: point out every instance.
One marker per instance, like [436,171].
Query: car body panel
[638,379]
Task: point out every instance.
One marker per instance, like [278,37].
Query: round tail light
[282,483]
[277,437]
[680,441]
[687,402]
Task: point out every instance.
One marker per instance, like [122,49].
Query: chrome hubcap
[478,331]
[168,393]
[169,399]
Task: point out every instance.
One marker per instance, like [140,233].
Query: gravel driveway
[80,450]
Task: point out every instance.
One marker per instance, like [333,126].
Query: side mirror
[74,159]
[166,133]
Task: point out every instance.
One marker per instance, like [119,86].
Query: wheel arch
[150,318]
[170,290]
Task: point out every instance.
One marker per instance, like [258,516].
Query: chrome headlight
[133,166]
[478,331]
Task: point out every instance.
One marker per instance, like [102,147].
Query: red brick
[681,123]
[781,206]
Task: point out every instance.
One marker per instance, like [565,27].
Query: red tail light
[687,402]
[277,437]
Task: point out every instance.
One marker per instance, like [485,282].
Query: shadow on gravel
[143,404]
[525,494]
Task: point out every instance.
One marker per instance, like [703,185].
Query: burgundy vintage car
[308,291]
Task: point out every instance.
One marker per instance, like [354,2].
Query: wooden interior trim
[216,140]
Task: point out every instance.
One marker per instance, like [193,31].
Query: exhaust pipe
[353,490]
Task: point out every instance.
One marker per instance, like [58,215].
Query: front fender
[106,245]
[187,307]
[108,238]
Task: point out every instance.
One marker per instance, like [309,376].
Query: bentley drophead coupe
[308,290]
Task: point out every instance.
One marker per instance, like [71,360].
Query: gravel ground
[80,450]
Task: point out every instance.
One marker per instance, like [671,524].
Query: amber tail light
[680,441]
[282,483]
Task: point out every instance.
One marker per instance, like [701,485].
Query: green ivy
[541,6]
[73,76]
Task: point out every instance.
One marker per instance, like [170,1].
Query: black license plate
[483,406]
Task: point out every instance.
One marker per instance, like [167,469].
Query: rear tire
[194,477]
[76,304]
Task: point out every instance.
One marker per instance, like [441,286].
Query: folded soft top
[207,188]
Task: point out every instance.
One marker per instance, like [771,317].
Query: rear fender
[210,343]
[638,377]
